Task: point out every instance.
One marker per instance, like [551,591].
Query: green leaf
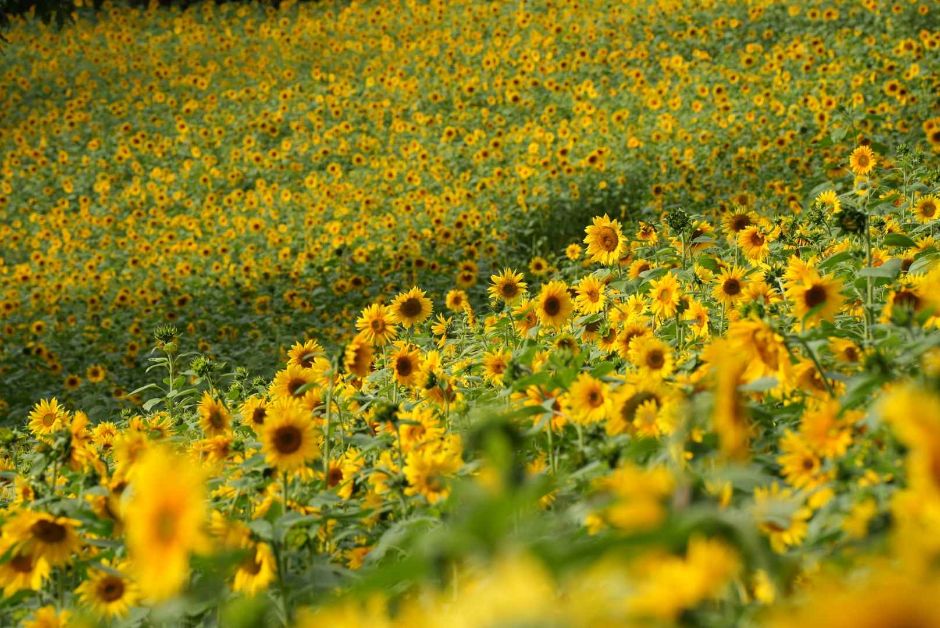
[899,239]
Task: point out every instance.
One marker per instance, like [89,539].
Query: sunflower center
[334,477]
[631,405]
[216,420]
[928,210]
[403,366]
[740,222]
[287,439]
[757,239]
[48,419]
[509,290]
[862,160]
[731,287]
[378,326]
[808,464]
[307,360]
[411,307]
[294,385]
[257,417]
[655,359]
[815,296]
[48,532]
[552,306]
[22,563]
[251,564]
[111,589]
[906,298]
[608,239]
[595,399]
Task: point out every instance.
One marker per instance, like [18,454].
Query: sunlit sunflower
[46,417]
[288,439]
[926,208]
[652,356]
[410,308]
[291,382]
[164,521]
[376,325]
[554,305]
[495,364]
[589,399]
[632,329]
[303,354]
[256,571]
[820,295]
[358,357]
[729,286]
[214,417]
[592,295]
[829,201]
[253,411]
[755,243]
[507,286]
[664,296]
[737,221]
[456,301]
[406,364]
[45,536]
[108,592]
[605,242]
[573,252]
[862,161]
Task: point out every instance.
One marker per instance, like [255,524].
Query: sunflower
[538,266]
[862,161]
[755,243]
[164,520]
[108,593]
[730,417]
[291,382]
[49,617]
[554,305]
[652,356]
[829,200]
[604,239]
[495,364]
[592,295]
[376,325]
[697,314]
[214,417]
[254,410]
[411,308]
[22,569]
[638,267]
[47,417]
[72,382]
[573,252]
[456,300]
[647,393]
[45,536]
[427,469]
[816,299]
[800,465]
[303,354]
[664,296]
[785,531]
[729,286]
[507,286]
[926,208]
[737,221]
[257,571]
[95,373]
[358,357]
[406,364]
[633,329]
[288,439]
[589,399]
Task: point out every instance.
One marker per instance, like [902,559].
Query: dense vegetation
[469,314]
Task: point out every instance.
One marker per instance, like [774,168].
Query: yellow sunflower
[588,399]
[664,296]
[214,417]
[507,286]
[358,357]
[257,571]
[254,410]
[406,364]
[23,570]
[862,161]
[108,593]
[495,364]
[410,308]
[377,325]
[926,208]
[820,295]
[592,295]
[291,382]
[554,305]
[605,242]
[288,439]
[829,200]
[45,536]
[729,286]
[303,354]
[47,417]
[652,356]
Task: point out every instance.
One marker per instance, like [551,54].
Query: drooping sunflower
[862,161]
[288,439]
[926,208]
[411,308]
[554,304]
[108,593]
[507,286]
[592,295]
[46,417]
[164,520]
[406,364]
[729,286]
[358,357]
[589,399]
[652,356]
[376,324]
[54,539]
[214,417]
[604,239]
[664,296]
[257,571]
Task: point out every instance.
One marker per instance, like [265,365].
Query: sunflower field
[463,313]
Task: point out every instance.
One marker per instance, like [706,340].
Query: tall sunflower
[46,417]
[554,305]
[164,520]
[862,161]
[411,308]
[604,239]
[377,325]
[288,439]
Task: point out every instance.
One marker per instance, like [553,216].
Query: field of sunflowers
[462,313]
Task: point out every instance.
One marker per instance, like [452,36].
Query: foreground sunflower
[554,305]
[605,241]
[43,535]
[164,521]
[411,308]
[288,439]
[256,571]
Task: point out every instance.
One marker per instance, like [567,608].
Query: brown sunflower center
[607,238]
[22,563]
[740,221]
[377,326]
[815,296]
[731,287]
[48,532]
[334,477]
[403,366]
[257,417]
[216,420]
[294,385]
[251,564]
[411,307]
[655,359]
[630,406]
[595,399]
[509,290]
[111,589]
[287,439]
[928,209]
[552,306]
[906,298]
